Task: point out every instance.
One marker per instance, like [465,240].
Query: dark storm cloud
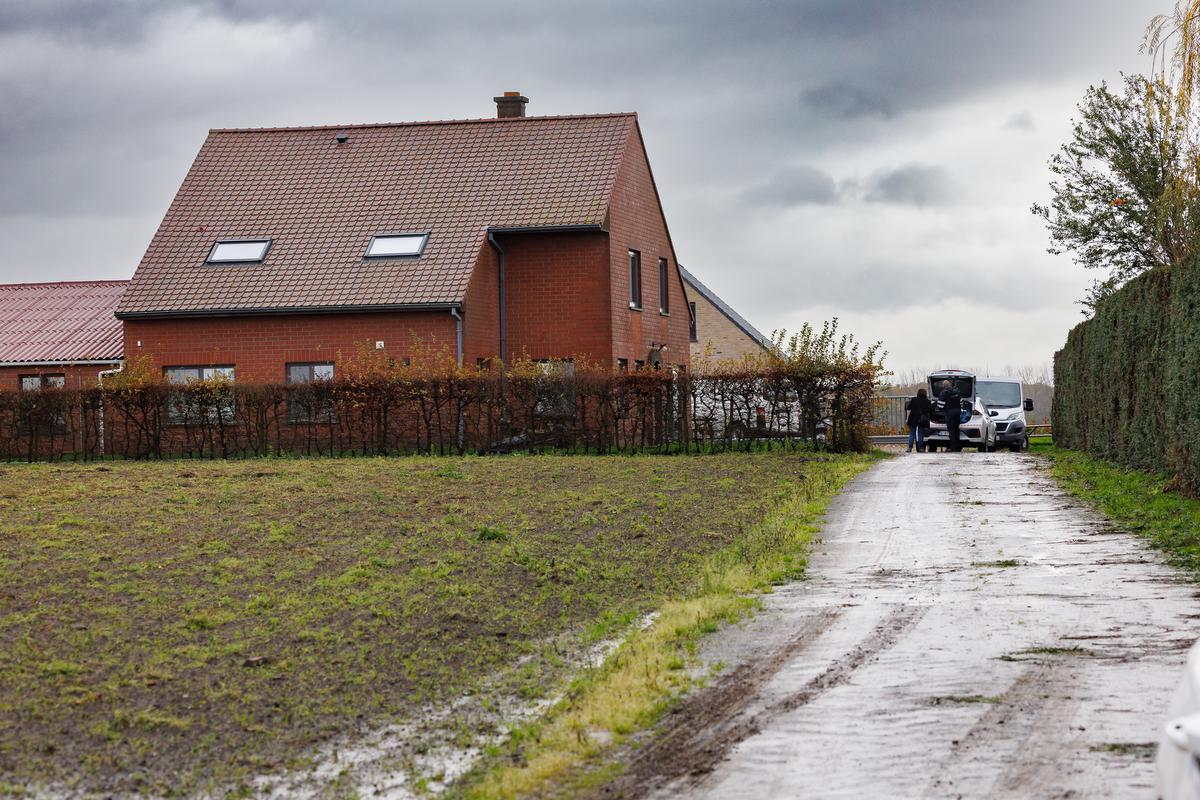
[846,102]
[910,185]
[104,104]
[793,186]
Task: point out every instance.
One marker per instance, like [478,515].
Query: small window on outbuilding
[397,245]
[35,383]
[692,323]
[239,251]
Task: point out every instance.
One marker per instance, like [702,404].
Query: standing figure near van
[951,402]
[919,411]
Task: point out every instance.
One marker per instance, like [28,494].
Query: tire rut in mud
[698,733]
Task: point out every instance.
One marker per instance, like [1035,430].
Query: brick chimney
[510,104]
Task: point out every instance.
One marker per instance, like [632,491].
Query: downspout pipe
[454,312]
[100,423]
[500,290]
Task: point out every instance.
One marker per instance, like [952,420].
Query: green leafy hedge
[1127,382]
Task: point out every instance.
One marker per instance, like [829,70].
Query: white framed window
[305,402]
[183,407]
[35,383]
[397,245]
[190,374]
[307,373]
[239,251]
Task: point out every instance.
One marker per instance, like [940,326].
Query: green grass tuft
[1136,501]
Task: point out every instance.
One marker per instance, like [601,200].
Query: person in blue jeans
[919,409]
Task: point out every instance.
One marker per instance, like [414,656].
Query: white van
[1006,403]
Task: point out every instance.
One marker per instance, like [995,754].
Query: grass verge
[1137,501]
[571,749]
[181,627]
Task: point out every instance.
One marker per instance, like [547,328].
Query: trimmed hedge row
[1127,382]
[483,412]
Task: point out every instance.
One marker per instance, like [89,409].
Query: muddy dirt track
[967,631]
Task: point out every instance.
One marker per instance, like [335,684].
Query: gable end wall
[636,222]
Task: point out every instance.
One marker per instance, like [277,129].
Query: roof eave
[277,310]
[64,362]
[591,227]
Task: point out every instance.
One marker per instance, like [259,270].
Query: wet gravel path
[967,631]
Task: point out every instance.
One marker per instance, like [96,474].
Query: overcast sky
[873,160]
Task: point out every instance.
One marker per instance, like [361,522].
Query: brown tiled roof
[320,202]
[60,322]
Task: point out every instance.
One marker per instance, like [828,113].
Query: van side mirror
[1029,404]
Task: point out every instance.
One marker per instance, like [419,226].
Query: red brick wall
[481,309]
[78,377]
[260,346]
[556,290]
[636,223]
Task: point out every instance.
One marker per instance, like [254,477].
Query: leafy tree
[1124,187]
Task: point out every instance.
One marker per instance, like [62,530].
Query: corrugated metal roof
[60,322]
[320,202]
[734,317]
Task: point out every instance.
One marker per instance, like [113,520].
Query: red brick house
[286,249]
[56,335]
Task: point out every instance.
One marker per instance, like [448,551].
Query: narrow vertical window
[692,322]
[664,296]
[635,279]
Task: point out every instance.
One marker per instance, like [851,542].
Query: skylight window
[239,250]
[398,244]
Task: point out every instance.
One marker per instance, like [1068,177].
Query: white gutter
[120,367]
[454,313]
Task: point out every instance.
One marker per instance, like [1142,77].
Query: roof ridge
[418,123]
[32,284]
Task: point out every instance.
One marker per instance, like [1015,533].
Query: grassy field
[176,627]
[1137,501]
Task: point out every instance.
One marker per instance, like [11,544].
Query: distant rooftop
[734,317]
[55,323]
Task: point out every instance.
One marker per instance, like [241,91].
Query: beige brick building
[716,325]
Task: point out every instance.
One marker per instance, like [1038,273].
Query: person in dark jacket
[951,402]
[919,409]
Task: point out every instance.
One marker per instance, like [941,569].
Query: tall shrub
[1127,382]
